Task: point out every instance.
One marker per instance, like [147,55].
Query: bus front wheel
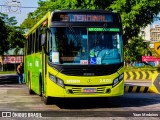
[46,100]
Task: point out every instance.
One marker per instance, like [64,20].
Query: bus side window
[39,39]
[36,41]
[29,45]
[32,43]
[50,47]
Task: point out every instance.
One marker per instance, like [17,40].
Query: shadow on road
[8,79]
[128,100]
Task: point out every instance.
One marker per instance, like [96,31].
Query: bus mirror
[43,36]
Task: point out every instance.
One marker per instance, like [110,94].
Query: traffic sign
[157,83]
[155,87]
[149,59]
[157,47]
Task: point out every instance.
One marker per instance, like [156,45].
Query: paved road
[8,79]
[14,97]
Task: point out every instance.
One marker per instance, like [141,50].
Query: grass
[7,72]
[145,68]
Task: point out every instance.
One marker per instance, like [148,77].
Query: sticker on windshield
[84,62]
[55,57]
[93,60]
[98,61]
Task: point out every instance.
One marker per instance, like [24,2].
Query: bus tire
[29,85]
[46,100]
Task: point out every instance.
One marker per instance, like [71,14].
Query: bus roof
[85,10]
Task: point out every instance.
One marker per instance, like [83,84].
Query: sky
[26,6]
[21,12]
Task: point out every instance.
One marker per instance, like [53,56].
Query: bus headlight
[60,82]
[56,80]
[117,80]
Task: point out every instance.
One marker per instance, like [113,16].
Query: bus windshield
[85,46]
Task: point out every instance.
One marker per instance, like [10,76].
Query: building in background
[151,34]
[145,33]
[155,33]
[11,59]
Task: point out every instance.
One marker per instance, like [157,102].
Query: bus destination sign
[73,17]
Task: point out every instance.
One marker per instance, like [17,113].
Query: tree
[29,21]
[3,37]
[135,49]
[15,38]
[135,14]
[10,21]
[10,35]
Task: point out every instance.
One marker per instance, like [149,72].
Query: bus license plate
[89,90]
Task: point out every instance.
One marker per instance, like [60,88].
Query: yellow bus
[75,53]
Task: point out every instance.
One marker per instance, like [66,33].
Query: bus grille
[78,90]
[87,72]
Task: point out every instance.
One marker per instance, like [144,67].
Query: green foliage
[135,49]
[15,38]
[29,21]
[10,35]
[135,14]
[3,36]
[143,68]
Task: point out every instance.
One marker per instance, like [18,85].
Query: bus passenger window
[39,48]
[36,41]
[33,42]
[29,44]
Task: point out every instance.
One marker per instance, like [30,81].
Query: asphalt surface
[14,97]
[8,78]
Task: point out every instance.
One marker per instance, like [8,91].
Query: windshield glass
[83,45]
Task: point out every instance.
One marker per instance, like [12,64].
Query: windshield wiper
[73,33]
[98,38]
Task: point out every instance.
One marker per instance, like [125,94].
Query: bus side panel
[29,69]
[37,71]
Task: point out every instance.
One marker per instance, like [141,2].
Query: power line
[28,7]
[16,6]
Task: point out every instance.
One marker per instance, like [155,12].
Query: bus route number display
[85,17]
